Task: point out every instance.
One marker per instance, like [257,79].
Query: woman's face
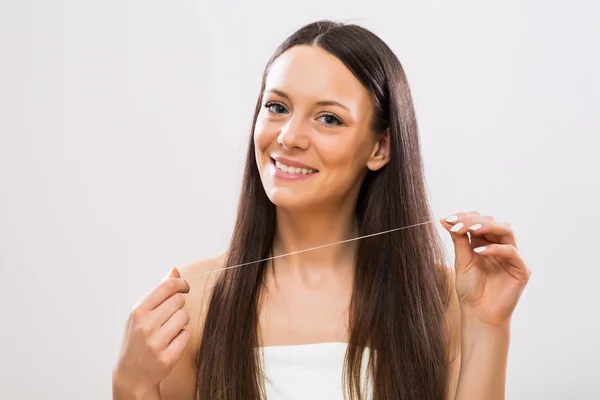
[312,137]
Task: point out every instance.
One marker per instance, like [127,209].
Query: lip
[292,163]
[291,177]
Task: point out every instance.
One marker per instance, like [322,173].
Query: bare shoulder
[202,272]
[201,275]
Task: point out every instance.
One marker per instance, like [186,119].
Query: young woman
[334,154]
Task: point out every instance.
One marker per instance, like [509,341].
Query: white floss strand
[316,248]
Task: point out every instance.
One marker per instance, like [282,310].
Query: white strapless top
[305,372]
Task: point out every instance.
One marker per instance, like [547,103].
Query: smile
[294,170]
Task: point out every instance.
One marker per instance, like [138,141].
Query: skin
[315,287]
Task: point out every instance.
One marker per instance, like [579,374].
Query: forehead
[311,73]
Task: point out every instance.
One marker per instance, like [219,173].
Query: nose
[293,135]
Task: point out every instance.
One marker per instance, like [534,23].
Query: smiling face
[313,136]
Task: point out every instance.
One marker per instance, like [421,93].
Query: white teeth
[293,170]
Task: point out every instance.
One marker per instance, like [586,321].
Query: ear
[381,152]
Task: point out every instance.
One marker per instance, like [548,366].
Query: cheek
[262,135]
[347,155]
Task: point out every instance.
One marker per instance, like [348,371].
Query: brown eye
[275,108]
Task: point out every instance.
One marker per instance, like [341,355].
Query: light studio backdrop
[123,129]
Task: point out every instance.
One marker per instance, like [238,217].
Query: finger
[514,264]
[488,228]
[498,232]
[165,310]
[171,328]
[459,217]
[456,222]
[173,274]
[463,254]
[175,349]
[163,291]
[479,241]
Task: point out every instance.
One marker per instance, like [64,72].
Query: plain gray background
[123,131]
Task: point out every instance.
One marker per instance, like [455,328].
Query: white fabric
[305,372]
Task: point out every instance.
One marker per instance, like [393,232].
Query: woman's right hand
[154,340]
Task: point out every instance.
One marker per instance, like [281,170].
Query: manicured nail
[452,218]
[457,227]
[480,249]
[475,227]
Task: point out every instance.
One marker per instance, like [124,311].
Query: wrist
[479,338]
[475,330]
[126,388]
[472,319]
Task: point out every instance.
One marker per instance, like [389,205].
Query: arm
[477,354]
[490,276]
[181,382]
[153,341]
[122,390]
[484,357]
[147,371]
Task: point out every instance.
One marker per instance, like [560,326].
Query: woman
[334,155]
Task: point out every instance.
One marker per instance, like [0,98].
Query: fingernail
[457,227]
[452,218]
[480,249]
[475,227]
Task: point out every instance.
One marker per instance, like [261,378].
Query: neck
[296,231]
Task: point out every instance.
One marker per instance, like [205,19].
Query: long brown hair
[400,292]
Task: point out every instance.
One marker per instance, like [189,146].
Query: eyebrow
[320,103]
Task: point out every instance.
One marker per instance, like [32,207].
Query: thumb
[173,274]
[463,253]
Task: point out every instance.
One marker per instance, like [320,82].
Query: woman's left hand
[490,273]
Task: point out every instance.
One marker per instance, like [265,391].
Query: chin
[289,199]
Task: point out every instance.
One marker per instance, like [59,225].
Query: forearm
[484,354]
